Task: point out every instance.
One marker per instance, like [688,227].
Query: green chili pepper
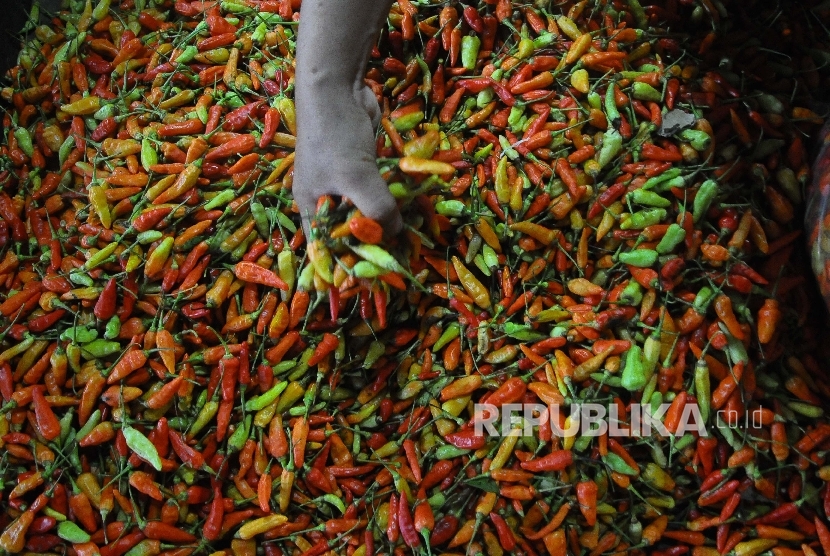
[642,258]
[484,97]
[516,113]
[79,334]
[452,207]
[187,54]
[142,446]
[619,465]
[491,258]
[234,7]
[266,398]
[81,278]
[283,220]
[678,182]
[221,199]
[378,256]
[101,256]
[451,332]
[704,296]
[607,378]
[655,402]
[375,351]
[644,91]
[408,122]
[148,237]
[632,294]
[149,156]
[306,278]
[70,532]
[640,16]
[526,48]
[507,148]
[259,33]
[365,269]
[284,366]
[483,152]
[237,440]
[674,236]
[112,328]
[703,199]
[178,423]
[649,389]
[643,218]
[633,373]
[648,198]
[734,348]
[669,174]
[683,442]
[106,111]
[478,260]
[805,409]
[101,10]
[651,354]
[611,111]
[611,146]
[702,389]
[595,100]
[582,443]
[334,501]
[700,140]
[66,426]
[302,366]
[93,421]
[263,225]
[204,417]
[66,148]
[543,40]
[448,451]
[24,140]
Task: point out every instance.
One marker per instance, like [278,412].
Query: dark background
[14,15]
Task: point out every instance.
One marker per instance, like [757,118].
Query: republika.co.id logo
[588,419]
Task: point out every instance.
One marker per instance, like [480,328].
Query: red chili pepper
[467,439]
[105,307]
[780,515]
[440,470]
[47,421]
[718,494]
[510,391]
[213,524]
[555,461]
[44,322]
[392,529]
[107,127]
[606,199]
[406,524]
[185,453]
[122,544]
[507,540]
[272,122]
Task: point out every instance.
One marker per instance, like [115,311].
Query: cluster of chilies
[598,212]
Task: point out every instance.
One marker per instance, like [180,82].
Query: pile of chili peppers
[602,205]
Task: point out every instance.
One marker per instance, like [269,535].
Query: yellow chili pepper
[471,284]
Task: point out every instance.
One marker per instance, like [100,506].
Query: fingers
[369,101]
[370,195]
[377,203]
